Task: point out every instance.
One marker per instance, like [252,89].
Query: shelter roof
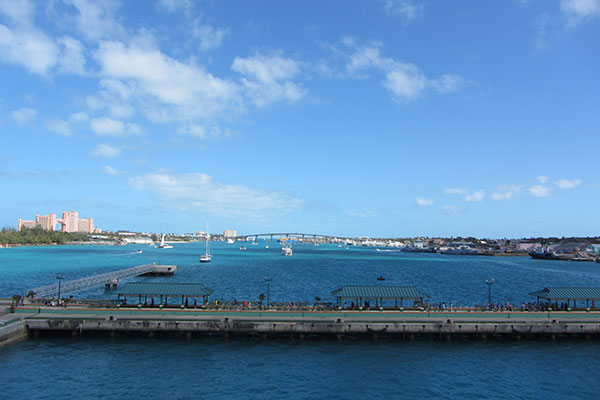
[379,292]
[571,293]
[164,289]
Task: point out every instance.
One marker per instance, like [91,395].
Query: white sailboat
[206,257]
[162,244]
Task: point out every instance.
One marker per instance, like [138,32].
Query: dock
[405,325]
[107,279]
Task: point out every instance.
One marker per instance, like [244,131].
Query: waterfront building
[70,222]
[229,233]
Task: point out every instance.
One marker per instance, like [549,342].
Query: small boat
[381,278]
[287,251]
[243,248]
[162,244]
[139,252]
[230,241]
[266,246]
[206,257]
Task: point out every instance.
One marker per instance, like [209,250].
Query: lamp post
[489,283]
[60,277]
[268,280]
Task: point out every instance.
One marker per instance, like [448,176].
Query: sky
[382,118]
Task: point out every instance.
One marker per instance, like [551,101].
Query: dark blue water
[350,369]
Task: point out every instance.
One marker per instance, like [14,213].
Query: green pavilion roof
[164,289]
[379,292]
[570,293]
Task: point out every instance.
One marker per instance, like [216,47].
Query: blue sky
[380,118]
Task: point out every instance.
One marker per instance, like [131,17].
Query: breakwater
[81,321]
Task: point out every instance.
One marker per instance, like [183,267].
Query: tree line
[38,235]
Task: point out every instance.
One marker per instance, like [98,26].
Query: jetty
[178,313]
[406,325]
[107,279]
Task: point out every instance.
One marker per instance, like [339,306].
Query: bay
[55,367]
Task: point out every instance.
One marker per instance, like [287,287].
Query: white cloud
[503,196]
[506,192]
[448,83]
[404,80]
[29,48]
[110,127]
[422,201]
[268,79]
[200,192]
[60,126]
[542,179]
[408,10]
[106,151]
[72,58]
[540,38]
[164,88]
[209,37]
[205,132]
[475,196]
[539,191]
[23,116]
[455,190]
[108,170]
[96,19]
[578,10]
[568,184]
[66,128]
[175,5]
[20,12]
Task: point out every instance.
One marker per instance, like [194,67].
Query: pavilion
[379,293]
[164,291]
[556,294]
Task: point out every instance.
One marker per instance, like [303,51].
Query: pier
[107,279]
[406,325]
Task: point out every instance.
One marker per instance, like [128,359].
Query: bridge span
[296,235]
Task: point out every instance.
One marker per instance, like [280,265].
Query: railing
[87,282]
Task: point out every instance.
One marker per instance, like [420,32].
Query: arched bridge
[291,235]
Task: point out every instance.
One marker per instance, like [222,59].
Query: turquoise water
[278,368]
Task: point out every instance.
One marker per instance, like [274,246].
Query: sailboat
[162,244]
[206,257]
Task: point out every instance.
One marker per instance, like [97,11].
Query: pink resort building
[70,222]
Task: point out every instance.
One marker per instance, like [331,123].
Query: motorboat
[139,252]
[287,251]
[230,241]
[243,248]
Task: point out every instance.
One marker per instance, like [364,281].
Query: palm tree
[317,300]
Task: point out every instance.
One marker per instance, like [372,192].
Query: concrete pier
[12,326]
[335,324]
